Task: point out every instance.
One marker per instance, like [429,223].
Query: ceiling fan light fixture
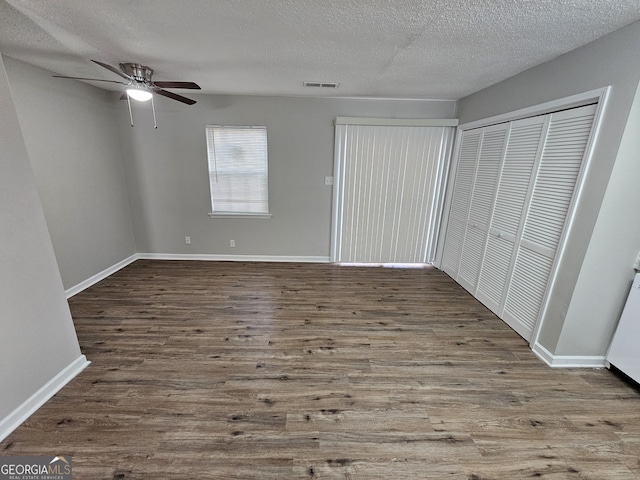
[140,94]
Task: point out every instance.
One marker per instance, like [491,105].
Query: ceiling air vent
[321,84]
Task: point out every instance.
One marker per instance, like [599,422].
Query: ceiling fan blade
[190,85]
[91,79]
[113,69]
[174,96]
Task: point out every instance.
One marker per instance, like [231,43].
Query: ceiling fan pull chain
[130,113]
[153,109]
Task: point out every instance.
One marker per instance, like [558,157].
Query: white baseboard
[232,258]
[35,401]
[186,256]
[100,276]
[542,353]
[568,361]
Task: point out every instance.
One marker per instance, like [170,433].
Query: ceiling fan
[140,86]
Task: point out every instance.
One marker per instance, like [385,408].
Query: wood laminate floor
[206,370]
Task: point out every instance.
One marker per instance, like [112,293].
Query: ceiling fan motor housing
[141,73]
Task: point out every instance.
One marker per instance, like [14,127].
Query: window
[238,170]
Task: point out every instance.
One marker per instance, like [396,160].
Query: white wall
[169,180]
[70,133]
[596,271]
[37,336]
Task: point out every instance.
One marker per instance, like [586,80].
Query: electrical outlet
[232,243]
[187,240]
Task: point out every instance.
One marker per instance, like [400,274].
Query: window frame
[236,214]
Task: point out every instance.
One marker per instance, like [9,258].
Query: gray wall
[606,275]
[596,271]
[71,138]
[168,175]
[38,337]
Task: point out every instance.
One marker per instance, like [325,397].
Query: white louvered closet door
[492,148]
[389,192]
[553,193]
[456,226]
[512,193]
[526,140]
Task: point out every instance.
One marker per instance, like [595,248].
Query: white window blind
[238,170]
[389,192]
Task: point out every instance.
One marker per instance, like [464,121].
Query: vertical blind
[389,192]
[238,169]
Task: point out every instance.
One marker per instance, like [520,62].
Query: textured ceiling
[432,49]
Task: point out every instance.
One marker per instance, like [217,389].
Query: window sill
[265,216]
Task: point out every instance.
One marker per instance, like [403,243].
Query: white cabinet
[624,352]
[512,193]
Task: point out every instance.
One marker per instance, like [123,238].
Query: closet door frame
[597,96]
